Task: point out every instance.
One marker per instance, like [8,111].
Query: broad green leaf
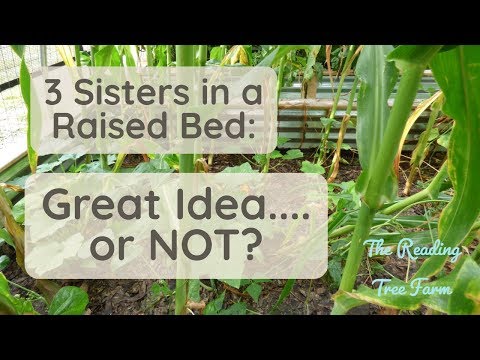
[281,140]
[155,289]
[108,56]
[335,270]
[233,282]
[69,300]
[378,77]
[18,211]
[254,290]
[214,306]
[308,167]
[260,159]
[12,305]
[47,167]
[150,167]
[239,308]
[275,154]
[126,50]
[217,53]
[293,154]
[468,279]
[4,235]
[244,168]
[4,262]
[458,74]
[160,288]
[444,140]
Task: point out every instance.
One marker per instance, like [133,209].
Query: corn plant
[184,57]
[379,132]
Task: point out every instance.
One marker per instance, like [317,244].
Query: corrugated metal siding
[302,124]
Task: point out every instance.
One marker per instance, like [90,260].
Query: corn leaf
[457,72]
[378,77]
[463,282]
[25,89]
[464,298]
[65,52]
[108,56]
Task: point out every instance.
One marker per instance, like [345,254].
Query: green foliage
[5,236]
[287,289]
[308,167]
[458,74]
[377,79]
[4,261]
[462,282]
[13,305]
[240,169]
[254,290]
[215,306]
[18,211]
[69,300]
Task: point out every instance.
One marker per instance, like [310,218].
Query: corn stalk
[379,133]
[185,56]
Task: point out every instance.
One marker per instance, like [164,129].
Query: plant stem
[225,49]
[169,55]
[78,62]
[355,254]
[185,57]
[323,148]
[281,71]
[103,157]
[202,55]
[406,93]
[332,173]
[93,50]
[36,296]
[119,162]
[77,55]
[341,231]
[374,196]
[421,195]
[149,49]
[405,202]
[418,154]
[43,55]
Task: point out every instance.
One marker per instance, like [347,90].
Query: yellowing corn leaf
[66,53]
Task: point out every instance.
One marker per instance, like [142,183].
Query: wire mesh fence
[13,112]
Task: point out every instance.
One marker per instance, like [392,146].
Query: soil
[314,297]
